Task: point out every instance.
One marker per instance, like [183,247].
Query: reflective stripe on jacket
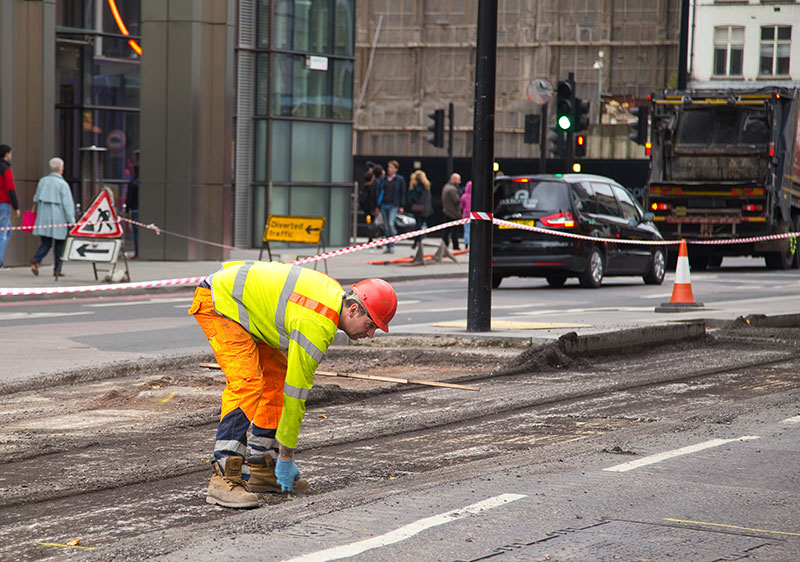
[290,308]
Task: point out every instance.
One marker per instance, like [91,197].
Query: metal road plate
[628,540]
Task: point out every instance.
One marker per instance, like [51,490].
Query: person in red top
[8,199]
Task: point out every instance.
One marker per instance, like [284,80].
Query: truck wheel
[783,259]
[592,276]
[658,266]
[698,262]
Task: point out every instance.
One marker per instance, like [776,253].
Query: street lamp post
[598,65]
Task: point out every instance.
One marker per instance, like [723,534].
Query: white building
[744,44]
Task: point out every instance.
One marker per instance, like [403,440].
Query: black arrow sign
[309,230]
[83,250]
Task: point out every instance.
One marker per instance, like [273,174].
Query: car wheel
[496,280]
[592,277]
[556,279]
[658,266]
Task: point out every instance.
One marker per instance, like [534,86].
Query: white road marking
[653,459]
[406,531]
[407,302]
[658,296]
[795,419]
[136,303]
[38,315]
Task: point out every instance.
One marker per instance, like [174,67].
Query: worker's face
[356,324]
[392,169]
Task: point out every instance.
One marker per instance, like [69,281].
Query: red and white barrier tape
[94,288]
[476,216]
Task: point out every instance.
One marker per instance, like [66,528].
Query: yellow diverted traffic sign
[281,228]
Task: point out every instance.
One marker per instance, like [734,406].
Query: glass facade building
[233,109]
[303,112]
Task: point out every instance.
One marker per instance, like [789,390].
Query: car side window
[626,203]
[583,195]
[606,202]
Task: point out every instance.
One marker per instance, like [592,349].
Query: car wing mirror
[648,217]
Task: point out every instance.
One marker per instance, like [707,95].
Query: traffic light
[640,125]
[558,143]
[437,128]
[565,105]
[580,146]
[581,115]
[531,129]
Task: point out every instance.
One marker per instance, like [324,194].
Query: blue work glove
[286,472]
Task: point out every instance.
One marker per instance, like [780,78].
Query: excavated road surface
[113,459]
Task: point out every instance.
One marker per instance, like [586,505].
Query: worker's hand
[286,472]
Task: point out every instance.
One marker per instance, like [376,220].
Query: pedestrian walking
[8,200]
[391,200]
[419,196]
[451,207]
[368,201]
[466,203]
[54,208]
[270,325]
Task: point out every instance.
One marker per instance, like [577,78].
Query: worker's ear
[353,310]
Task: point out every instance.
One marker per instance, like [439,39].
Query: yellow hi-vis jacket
[290,308]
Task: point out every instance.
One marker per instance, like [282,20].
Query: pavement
[352,267]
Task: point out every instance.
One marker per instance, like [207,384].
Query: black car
[582,204]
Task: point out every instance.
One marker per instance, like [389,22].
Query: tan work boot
[262,478]
[229,490]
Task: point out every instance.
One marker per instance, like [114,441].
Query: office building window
[776,42]
[728,49]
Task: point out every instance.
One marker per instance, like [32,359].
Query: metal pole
[683,49]
[450,114]
[570,135]
[479,290]
[543,140]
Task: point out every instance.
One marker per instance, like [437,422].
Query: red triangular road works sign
[100,221]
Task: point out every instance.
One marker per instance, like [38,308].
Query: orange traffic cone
[682,298]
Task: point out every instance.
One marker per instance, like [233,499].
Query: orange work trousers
[254,371]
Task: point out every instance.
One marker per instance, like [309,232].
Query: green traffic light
[564,123]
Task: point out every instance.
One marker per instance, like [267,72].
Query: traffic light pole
[543,141]
[570,152]
[450,113]
[479,289]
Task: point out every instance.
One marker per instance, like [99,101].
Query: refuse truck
[725,165]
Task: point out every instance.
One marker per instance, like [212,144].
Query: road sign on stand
[97,238]
[285,228]
[100,221]
[101,251]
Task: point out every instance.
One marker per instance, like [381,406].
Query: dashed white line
[406,531]
[39,315]
[795,419]
[653,459]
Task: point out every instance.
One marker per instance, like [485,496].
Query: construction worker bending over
[270,325]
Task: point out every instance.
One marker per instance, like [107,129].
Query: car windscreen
[533,196]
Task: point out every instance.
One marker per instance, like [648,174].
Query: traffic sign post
[302,230]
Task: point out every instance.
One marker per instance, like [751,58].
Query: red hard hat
[379,299]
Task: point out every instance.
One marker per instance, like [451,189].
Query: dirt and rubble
[137,445]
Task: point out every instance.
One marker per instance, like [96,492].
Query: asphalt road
[45,337]
[684,452]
